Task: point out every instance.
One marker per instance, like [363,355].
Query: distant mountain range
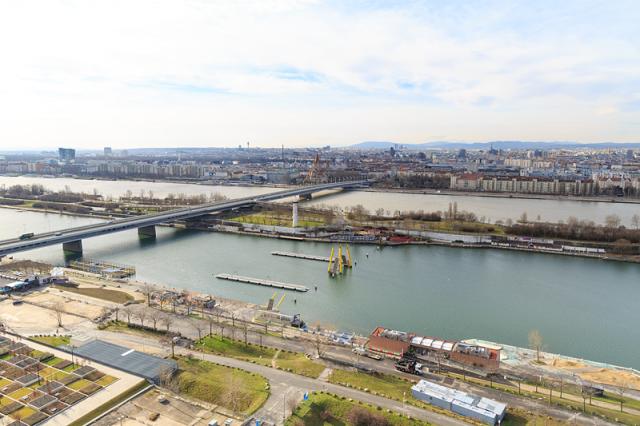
[505,145]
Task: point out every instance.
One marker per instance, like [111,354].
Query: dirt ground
[52,297]
[29,319]
[599,375]
[614,378]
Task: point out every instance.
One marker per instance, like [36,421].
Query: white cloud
[133,73]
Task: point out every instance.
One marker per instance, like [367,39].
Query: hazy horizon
[164,74]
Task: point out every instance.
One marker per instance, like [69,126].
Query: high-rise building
[108,152]
[66,154]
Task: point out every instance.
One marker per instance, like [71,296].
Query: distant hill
[505,145]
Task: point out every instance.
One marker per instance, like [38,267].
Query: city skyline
[314,73]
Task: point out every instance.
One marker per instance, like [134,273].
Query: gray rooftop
[125,359]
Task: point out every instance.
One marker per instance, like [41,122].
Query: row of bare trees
[149,197]
[144,314]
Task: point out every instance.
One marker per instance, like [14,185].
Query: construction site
[93,308]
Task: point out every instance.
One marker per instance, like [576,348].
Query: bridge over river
[71,239]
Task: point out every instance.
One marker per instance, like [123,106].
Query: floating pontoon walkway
[259,281]
[300,256]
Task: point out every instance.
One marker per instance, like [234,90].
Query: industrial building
[29,283]
[147,366]
[479,408]
[390,343]
[482,356]
[395,344]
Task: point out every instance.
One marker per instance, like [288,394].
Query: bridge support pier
[295,214]
[147,232]
[72,247]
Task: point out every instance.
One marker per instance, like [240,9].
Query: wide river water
[492,208]
[582,307]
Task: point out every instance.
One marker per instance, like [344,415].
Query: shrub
[363,417]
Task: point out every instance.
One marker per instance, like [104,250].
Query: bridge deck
[88,231]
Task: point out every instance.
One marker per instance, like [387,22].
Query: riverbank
[431,242]
[425,191]
[515,360]
[302,237]
[419,191]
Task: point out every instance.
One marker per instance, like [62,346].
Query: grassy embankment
[270,218]
[394,387]
[237,390]
[323,409]
[570,400]
[294,362]
[122,327]
[53,340]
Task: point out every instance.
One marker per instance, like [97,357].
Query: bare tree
[166,377]
[612,221]
[621,390]
[635,220]
[536,342]
[116,310]
[292,404]
[128,311]
[147,290]
[198,326]
[167,320]
[58,308]
[524,218]
[211,320]
[234,395]
[319,346]
[142,313]
[155,316]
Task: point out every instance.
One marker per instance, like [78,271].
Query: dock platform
[260,281]
[300,256]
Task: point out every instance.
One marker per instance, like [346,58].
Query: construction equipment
[315,171]
[280,302]
[410,366]
[298,323]
[339,262]
[271,301]
[330,261]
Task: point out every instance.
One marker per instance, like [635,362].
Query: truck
[410,366]
[26,236]
[297,322]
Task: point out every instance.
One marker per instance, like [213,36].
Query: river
[491,208]
[582,307]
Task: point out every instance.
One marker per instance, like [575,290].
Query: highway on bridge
[72,235]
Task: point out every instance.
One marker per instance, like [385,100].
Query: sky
[161,73]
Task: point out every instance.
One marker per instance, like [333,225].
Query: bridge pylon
[72,247]
[147,232]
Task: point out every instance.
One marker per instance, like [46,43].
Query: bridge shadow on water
[174,235]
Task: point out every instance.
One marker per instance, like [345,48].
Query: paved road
[185,326]
[287,385]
